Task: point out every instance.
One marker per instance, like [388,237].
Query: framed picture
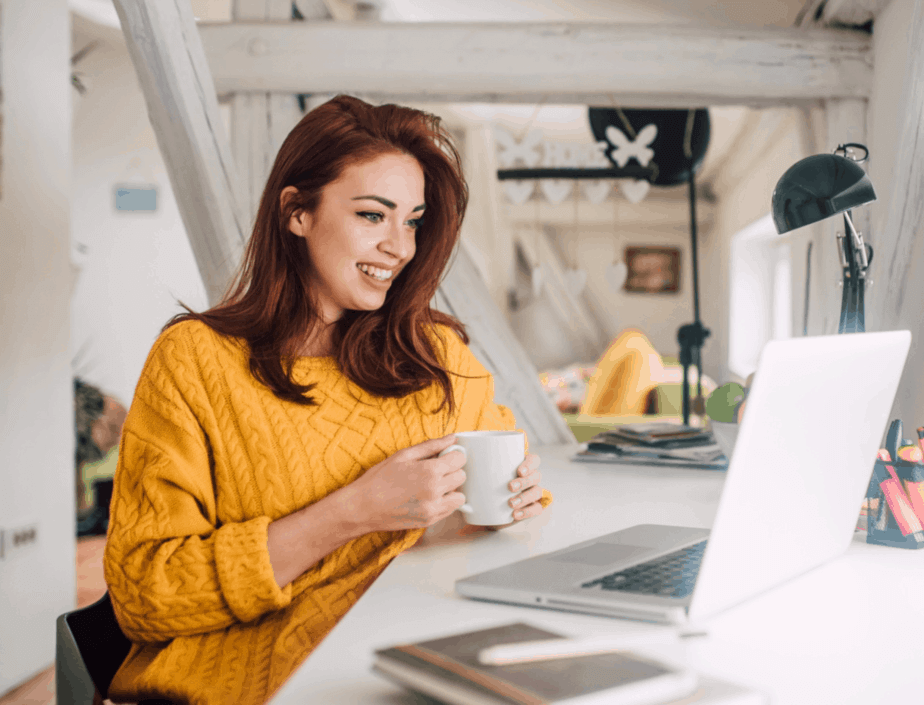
[652,270]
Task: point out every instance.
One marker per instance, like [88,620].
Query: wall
[36,391]
[777,138]
[595,248]
[136,265]
[891,50]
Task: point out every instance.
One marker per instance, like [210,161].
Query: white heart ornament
[616,275]
[556,190]
[576,280]
[634,189]
[596,191]
[536,281]
[519,191]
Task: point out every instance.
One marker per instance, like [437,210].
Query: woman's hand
[525,503]
[412,489]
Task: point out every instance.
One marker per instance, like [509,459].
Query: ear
[300,220]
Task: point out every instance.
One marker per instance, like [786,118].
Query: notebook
[815,417]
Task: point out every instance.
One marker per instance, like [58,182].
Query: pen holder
[895,501]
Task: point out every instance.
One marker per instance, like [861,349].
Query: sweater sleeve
[171,567]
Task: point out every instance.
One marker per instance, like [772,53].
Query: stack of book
[656,443]
[451,670]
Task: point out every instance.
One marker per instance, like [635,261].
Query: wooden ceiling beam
[651,66]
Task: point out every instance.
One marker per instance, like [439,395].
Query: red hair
[389,351]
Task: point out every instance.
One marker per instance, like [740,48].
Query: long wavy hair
[389,352]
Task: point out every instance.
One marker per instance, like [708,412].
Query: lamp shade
[818,187]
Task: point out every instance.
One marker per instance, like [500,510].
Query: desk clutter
[894,505]
[656,443]
[470,669]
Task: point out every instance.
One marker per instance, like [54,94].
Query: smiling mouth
[382,275]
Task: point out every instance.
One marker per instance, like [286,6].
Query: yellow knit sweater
[208,458]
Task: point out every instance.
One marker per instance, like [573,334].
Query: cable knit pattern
[209,457]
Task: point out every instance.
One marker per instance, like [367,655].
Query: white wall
[137,264]
[890,55]
[594,249]
[36,397]
[744,188]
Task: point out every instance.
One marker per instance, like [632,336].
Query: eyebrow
[388,204]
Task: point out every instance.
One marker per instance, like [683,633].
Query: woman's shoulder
[190,339]
[456,355]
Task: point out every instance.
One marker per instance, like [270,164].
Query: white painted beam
[568,63]
[260,121]
[182,105]
[851,12]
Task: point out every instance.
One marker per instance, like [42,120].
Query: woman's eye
[416,223]
[372,216]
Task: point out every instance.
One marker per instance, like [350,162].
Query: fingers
[530,510]
[450,482]
[429,449]
[525,498]
[528,473]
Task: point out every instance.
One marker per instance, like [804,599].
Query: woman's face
[362,233]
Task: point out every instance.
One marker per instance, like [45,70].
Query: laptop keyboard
[673,575]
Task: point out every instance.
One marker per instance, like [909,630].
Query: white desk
[847,632]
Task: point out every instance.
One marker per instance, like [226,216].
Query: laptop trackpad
[600,554]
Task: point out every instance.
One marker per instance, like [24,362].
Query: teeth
[376,273]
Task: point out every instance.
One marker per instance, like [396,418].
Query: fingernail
[515,501]
[515,484]
[519,514]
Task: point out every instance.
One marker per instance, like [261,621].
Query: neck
[320,342]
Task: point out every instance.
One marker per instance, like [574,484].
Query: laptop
[815,417]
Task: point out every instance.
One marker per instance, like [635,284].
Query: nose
[399,243]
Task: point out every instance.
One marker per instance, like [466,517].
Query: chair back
[90,649]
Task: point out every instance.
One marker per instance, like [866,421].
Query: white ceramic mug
[491,462]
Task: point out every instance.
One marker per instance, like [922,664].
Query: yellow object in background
[625,374]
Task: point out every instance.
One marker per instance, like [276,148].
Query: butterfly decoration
[625,149]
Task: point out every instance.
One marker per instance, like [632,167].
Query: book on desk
[656,443]
[448,670]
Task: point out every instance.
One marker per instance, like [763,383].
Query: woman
[282,446]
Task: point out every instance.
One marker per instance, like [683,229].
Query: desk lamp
[817,187]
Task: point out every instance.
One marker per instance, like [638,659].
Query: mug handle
[465,508]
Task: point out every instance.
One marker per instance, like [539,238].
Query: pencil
[902,511]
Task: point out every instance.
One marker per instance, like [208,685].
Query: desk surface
[846,632]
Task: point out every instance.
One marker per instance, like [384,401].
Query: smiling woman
[360,237]
[284,446]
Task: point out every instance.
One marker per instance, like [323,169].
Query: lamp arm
[855,261]
[858,245]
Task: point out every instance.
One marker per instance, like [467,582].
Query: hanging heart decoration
[596,190]
[536,277]
[634,189]
[519,192]
[512,154]
[575,280]
[557,155]
[616,275]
